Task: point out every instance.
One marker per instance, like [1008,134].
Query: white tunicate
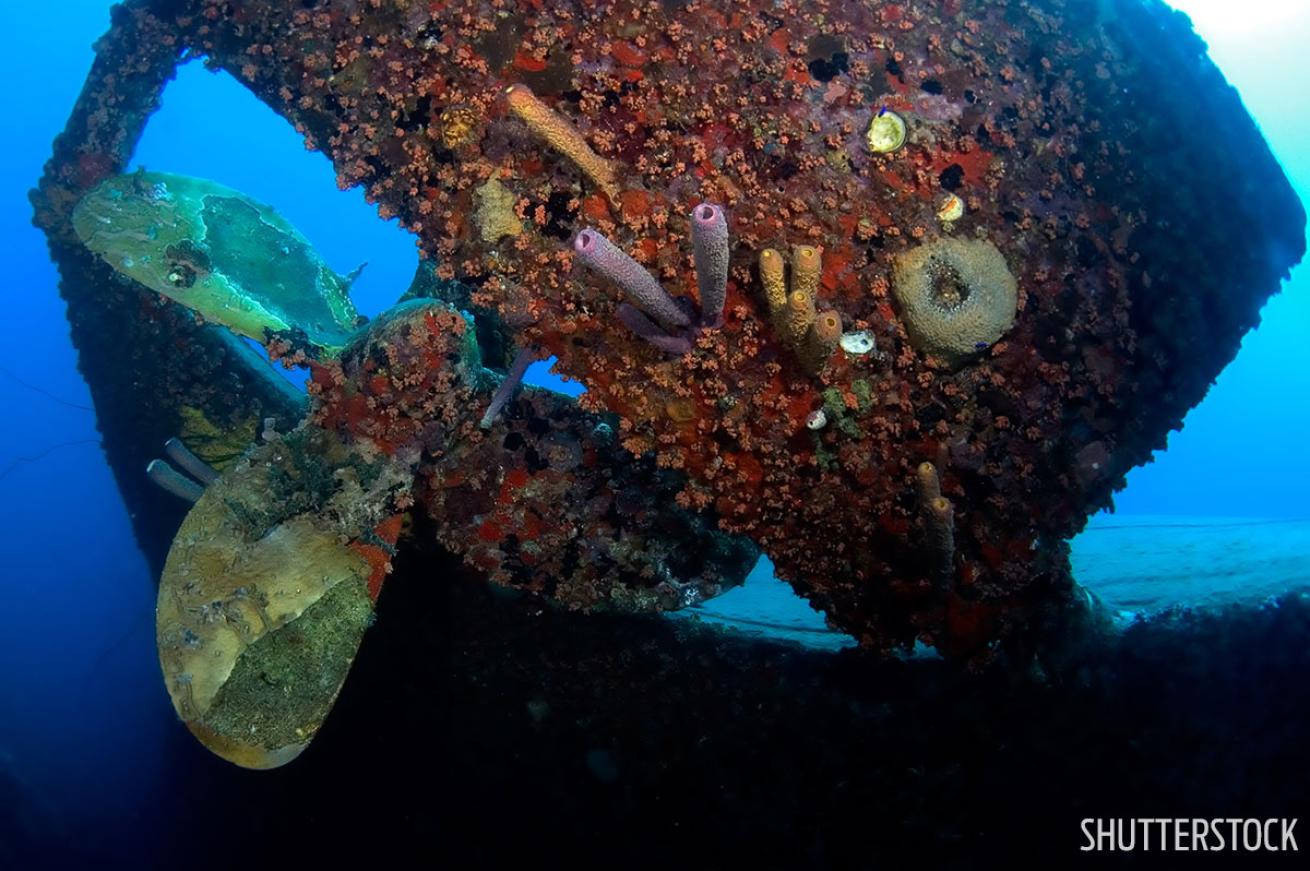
[818,419]
[859,342]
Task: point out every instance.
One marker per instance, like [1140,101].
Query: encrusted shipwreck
[896,292]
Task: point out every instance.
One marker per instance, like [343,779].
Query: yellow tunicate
[951,209]
[886,132]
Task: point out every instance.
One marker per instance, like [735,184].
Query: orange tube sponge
[812,336]
[929,484]
[562,136]
[797,318]
[774,281]
[806,267]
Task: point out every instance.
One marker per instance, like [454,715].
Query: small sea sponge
[494,212]
[957,296]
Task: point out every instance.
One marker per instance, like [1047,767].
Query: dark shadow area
[480,728]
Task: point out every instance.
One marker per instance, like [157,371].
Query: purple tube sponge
[632,318]
[638,285]
[167,478]
[513,378]
[709,237]
[188,462]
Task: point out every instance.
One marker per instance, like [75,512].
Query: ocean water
[1221,517]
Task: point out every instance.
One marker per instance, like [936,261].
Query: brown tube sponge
[941,539]
[929,485]
[820,341]
[956,296]
[562,136]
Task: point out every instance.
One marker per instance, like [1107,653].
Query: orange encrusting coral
[378,556]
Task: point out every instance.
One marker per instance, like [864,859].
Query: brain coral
[956,296]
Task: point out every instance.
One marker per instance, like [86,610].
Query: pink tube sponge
[709,237]
[638,285]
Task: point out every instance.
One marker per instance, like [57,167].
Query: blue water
[81,706]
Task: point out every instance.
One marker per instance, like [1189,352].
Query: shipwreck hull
[1091,143]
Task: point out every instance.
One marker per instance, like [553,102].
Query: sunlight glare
[1229,17]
